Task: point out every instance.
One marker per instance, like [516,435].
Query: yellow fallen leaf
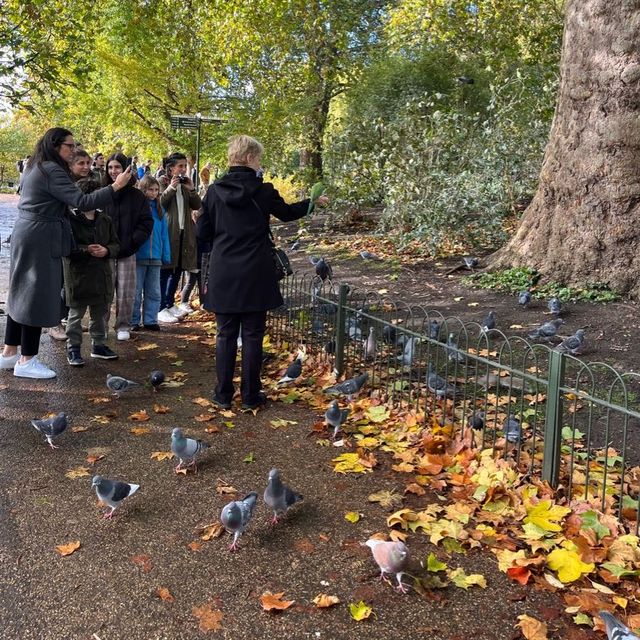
[161,455]
[349,463]
[323,601]
[352,516]
[464,581]
[140,431]
[360,611]
[68,549]
[211,531]
[532,629]
[147,346]
[568,564]
[546,515]
[78,472]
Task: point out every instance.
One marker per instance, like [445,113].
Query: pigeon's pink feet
[108,515]
[178,468]
[233,547]
[402,588]
[274,520]
[53,446]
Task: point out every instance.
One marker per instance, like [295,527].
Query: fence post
[551,455]
[340,333]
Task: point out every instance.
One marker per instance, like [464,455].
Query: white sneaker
[33,369]
[186,308]
[166,317]
[123,335]
[8,362]
[177,312]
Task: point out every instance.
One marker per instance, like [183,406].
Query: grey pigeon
[512,429]
[615,629]
[547,330]
[278,496]
[554,306]
[323,269]
[335,417]
[489,322]
[349,387]
[470,263]
[434,330]
[156,378]
[389,334]
[112,492]
[370,345]
[573,344]
[439,385]
[186,449]
[52,427]
[367,255]
[524,298]
[235,517]
[477,420]
[294,370]
[409,351]
[453,354]
[119,385]
[391,557]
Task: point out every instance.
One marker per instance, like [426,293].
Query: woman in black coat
[41,237]
[242,279]
[131,216]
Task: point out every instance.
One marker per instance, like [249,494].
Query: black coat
[131,217]
[242,277]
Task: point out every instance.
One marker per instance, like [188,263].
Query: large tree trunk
[583,225]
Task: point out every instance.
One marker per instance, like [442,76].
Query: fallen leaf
[227,414]
[177,363]
[172,384]
[79,429]
[271,601]
[519,574]
[143,561]
[195,545]
[160,408]
[212,531]
[464,581]
[360,611]
[304,545]
[568,564]
[161,455]
[349,463]
[212,429]
[546,515]
[140,431]
[100,400]
[203,402]
[204,417]
[165,594]
[250,457]
[147,346]
[323,601]
[352,516]
[281,422]
[140,416]
[209,617]
[68,549]
[78,472]
[387,499]
[94,458]
[532,629]
[434,565]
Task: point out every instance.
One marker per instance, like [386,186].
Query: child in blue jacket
[155,252]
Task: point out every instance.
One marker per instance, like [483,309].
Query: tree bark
[582,226]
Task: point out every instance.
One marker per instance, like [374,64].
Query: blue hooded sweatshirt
[157,247]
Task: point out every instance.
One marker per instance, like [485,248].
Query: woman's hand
[322,201]
[122,180]
[97,250]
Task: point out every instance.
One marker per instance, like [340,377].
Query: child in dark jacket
[88,280]
[154,253]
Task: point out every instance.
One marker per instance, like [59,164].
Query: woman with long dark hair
[41,237]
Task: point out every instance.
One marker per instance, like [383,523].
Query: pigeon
[615,629]
[453,354]
[278,496]
[186,449]
[489,322]
[391,557]
[409,351]
[470,263]
[573,344]
[119,385]
[295,246]
[389,334]
[367,255]
[235,517]
[112,492]
[434,330]
[554,306]
[156,378]
[52,427]
[524,298]
[547,330]
[477,420]
[335,417]
[370,345]
[294,370]
[512,429]
[349,387]
[323,269]
[439,385]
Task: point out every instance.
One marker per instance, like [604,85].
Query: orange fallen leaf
[78,472]
[94,458]
[532,629]
[273,601]
[211,531]
[203,402]
[140,416]
[519,574]
[209,617]
[323,601]
[140,431]
[304,545]
[195,545]
[143,561]
[204,417]
[212,429]
[414,487]
[161,455]
[225,489]
[165,594]
[68,549]
[160,408]
[79,429]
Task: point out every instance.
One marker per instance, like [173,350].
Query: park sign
[191,122]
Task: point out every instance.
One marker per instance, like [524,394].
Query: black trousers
[24,336]
[253,327]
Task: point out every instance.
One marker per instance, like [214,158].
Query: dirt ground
[108,588]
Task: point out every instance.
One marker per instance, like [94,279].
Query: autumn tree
[581,226]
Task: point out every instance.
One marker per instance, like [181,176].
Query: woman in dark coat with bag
[242,283]
[40,238]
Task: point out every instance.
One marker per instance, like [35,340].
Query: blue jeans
[147,294]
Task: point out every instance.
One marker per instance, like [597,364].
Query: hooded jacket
[156,247]
[235,218]
[131,217]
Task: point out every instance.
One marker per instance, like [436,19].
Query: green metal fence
[579,421]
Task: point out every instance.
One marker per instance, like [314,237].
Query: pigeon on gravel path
[236,515]
[278,496]
[119,385]
[112,492]
[52,427]
[391,557]
[335,417]
[186,449]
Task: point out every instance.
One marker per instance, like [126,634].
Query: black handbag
[280,258]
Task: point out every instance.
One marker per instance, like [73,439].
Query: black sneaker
[74,358]
[136,327]
[152,327]
[220,403]
[103,352]
[260,402]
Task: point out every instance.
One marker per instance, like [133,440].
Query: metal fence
[574,424]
